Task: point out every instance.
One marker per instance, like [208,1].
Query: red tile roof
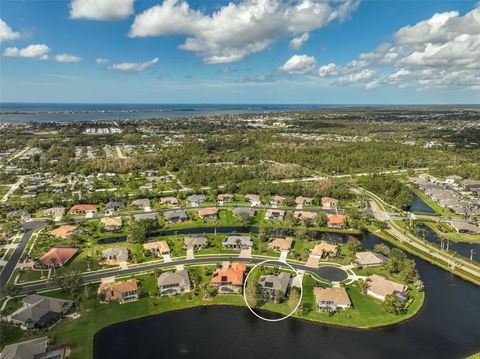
[82,208]
[58,256]
[233,274]
[336,219]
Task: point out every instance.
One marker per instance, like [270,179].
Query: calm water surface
[448,326]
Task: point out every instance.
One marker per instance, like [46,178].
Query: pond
[462,248]
[446,327]
[419,205]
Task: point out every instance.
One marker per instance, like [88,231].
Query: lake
[446,327]
[419,205]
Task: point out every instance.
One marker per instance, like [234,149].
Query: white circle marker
[245,291]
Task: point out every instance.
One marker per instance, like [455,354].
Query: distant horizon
[238,103]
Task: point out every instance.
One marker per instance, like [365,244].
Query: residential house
[38,311]
[225,197]
[280,244]
[195,242]
[277,200]
[113,206]
[276,285]
[462,226]
[332,298]
[169,201]
[19,213]
[123,292]
[244,211]
[111,223]
[115,255]
[329,203]
[57,211]
[450,180]
[274,214]
[173,283]
[159,248]
[145,217]
[143,203]
[305,215]
[229,279]
[65,231]
[196,199]
[379,287]
[176,216]
[324,249]
[237,242]
[336,221]
[301,201]
[87,209]
[208,214]
[253,199]
[369,259]
[37,348]
[57,256]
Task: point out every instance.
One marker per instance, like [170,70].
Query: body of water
[35,112]
[419,205]
[462,248]
[446,327]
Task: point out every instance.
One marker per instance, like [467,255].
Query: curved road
[330,273]
[7,271]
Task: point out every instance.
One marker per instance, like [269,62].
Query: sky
[247,51]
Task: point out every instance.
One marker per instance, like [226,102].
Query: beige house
[280,244]
[115,255]
[333,298]
[274,214]
[111,223]
[305,215]
[303,201]
[379,287]
[124,292]
[369,259]
[157,248]
[324,249]
[169,201]
[329,203]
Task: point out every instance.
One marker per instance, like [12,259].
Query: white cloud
[372,85]
[101,61]
[237,29]
[328,70]
[443,51]
[133,66]
[298,41]
[66,58]
[6,32]
[101,9]
[299,65]
[39,51]
[356,77]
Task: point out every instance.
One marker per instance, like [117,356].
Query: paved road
[7,271]
[327,272]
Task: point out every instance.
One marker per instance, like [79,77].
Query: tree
[393,305]
[396,260]
[304,309]
[137,231]
[382,249]
[409,273]
[321,219]
[70,282]
[382,225]
[353,245]
[11,290]
[244,218]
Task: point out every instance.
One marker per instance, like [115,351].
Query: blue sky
[345,52]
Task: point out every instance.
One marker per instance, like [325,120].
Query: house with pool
[173,283]
[229,278]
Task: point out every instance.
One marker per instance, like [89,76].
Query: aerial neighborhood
[180,221]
